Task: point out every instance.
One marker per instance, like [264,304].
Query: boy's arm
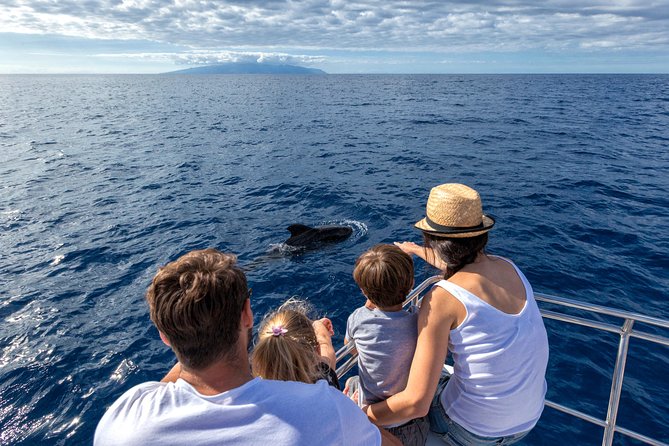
[353,350]
[349,329]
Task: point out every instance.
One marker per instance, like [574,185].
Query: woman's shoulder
[446,289]
[444,305]
[497,282]
[491,268]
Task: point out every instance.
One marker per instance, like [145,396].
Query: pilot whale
[302,236]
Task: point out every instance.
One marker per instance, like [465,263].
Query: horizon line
[340,74]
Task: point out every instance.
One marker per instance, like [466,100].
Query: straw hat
[454,210]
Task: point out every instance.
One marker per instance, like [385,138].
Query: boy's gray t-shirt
[386,342]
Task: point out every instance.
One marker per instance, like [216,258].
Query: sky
[337,36]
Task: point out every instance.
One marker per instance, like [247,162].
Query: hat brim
[487,221]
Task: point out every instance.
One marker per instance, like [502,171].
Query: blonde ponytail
[287,347]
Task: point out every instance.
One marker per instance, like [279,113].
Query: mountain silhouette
[248,68]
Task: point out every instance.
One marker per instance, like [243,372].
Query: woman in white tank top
[485,314]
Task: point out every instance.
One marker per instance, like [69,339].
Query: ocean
[105,178]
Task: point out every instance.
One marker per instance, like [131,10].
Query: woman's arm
[426,254]
[437,316]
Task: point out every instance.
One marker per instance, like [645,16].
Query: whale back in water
[302,236]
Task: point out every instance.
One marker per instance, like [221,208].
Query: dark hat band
[456,229]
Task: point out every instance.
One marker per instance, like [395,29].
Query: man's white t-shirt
[262,412]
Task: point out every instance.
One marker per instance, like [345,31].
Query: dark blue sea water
[104,178]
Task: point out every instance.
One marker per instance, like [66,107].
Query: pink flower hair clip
[278,330]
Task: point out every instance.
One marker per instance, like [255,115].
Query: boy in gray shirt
[384,333]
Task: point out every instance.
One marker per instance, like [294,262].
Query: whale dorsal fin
[298,229]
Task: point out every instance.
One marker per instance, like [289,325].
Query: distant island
[248,68]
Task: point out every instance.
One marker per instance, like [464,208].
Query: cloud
[217,57]
[247,29]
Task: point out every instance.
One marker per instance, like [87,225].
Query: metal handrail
[626,331]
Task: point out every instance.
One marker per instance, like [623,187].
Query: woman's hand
[424,253]
[409,247]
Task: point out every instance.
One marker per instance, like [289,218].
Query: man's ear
[164,339]
[247,315]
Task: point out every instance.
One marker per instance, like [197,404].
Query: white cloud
[248,29]
[216,57]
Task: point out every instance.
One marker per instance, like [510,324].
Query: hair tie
[278,330]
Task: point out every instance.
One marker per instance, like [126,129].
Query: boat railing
[347,357]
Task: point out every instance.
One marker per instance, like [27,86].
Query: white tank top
[498,385]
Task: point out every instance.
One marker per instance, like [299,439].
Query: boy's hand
[354,393]
[355,396]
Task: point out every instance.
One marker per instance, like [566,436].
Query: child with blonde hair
[385,334]
[292,347]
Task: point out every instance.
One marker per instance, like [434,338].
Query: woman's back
[500,352]
[495,281]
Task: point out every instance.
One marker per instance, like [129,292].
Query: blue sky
[338,36]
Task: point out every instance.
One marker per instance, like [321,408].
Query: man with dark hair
[201,307]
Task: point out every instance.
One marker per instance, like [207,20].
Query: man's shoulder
[296,390]
[137,398]
[153,392]
[258,410]
[120,418]
[322,405]
[141,392]
[311,399]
